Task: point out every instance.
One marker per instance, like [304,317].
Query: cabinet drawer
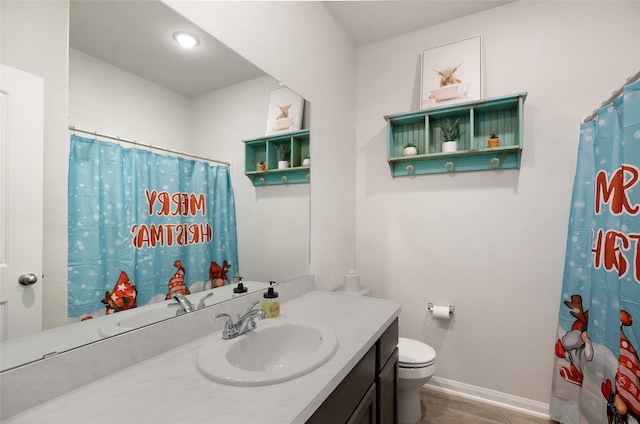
[387,344]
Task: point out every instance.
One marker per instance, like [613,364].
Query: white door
[21,146]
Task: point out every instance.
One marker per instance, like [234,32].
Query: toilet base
[409,406]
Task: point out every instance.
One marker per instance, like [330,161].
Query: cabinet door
[340,405]
[387,344]
[365,413]
[387,392]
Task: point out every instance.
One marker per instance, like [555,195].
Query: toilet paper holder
[451,308]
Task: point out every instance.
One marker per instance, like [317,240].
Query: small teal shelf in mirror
[477,119]
[265,150]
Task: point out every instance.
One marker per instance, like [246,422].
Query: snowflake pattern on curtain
[143,226]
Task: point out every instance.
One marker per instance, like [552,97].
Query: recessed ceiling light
[185,39]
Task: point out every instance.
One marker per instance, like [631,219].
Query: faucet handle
[229,325]
[228,320]
[253,305]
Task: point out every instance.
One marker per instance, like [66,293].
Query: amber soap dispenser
[270,304]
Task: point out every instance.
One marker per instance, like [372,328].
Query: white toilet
[416,365]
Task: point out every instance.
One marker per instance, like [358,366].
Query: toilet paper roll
[441,312]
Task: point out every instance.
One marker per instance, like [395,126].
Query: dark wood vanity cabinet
[368,394]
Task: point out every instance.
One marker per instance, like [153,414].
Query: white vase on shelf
[449,146]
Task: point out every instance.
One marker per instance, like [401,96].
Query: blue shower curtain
[143,226]
[597,370]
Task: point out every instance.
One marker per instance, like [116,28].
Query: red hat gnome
[122,297]
[218,274]
[176,283]
[627,377]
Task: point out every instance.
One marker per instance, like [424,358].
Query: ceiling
[137,36]
[370,21]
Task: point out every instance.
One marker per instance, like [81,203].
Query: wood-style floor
[441,408]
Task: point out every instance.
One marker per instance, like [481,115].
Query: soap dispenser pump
[270,304]
[240,289]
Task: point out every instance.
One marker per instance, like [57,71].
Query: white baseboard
[492,397]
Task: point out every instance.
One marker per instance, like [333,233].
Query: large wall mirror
[128,78]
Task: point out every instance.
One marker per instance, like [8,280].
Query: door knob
[27,279]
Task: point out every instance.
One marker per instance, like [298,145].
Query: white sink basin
[278,350]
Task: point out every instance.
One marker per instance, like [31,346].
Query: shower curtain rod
[149,146]
[614,95]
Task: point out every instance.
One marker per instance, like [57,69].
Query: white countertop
[168,388]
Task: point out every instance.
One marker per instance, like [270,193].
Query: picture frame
[451,73]
[284,111]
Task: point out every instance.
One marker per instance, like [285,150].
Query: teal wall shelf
[479,118]
[264,149]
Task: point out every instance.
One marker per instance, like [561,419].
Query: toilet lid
[414,353]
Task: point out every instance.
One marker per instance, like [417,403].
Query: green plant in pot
[410,149]
[283,151]
[448,132]
[306,161]
[494,140]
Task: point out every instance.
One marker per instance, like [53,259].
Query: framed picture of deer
[451,73]
[284,112]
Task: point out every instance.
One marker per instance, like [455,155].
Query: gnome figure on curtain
[122,297]
[217,275]
[575,346]
[623,404]
[176,283]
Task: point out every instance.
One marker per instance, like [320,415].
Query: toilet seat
[414,354]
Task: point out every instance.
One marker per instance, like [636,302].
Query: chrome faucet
[244,324]
[185,304]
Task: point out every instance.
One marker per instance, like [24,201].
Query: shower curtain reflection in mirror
[145,226]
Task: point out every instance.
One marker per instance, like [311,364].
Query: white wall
[273,222]
[112,101]
[491,243]
[311,53]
